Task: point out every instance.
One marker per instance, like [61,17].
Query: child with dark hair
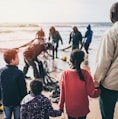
[12,85]
[35,105]
[76,85]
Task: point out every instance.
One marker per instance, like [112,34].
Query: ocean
[16,34]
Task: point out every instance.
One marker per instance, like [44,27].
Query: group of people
[76,84]
[77,39]
[39,45]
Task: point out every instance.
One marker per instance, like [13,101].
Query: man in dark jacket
[76,38]
[12,85]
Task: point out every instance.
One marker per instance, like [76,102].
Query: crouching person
[35,105]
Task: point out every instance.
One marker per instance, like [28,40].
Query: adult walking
[55,36]
[75,38]
[88,38]
[106,67]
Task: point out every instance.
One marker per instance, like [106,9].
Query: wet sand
[55,69]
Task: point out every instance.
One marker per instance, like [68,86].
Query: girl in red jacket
[76,85]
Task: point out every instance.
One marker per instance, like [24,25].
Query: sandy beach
[55,69]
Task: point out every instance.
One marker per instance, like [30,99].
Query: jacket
[37,107]
[13,85]
[106,66]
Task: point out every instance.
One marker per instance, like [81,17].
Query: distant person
[31,54]
[88,38]
[76,85]
[12,85]
[40,35]
[35,105]
[106,67]
[55,36]
[75,38]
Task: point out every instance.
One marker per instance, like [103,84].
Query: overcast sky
[55,10]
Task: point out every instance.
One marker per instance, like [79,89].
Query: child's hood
[27,99]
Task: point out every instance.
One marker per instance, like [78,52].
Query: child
[76,85]
[35,105]
[12,85]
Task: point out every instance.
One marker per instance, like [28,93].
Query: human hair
[41,33]
[36,86]
[9,55]
[52,29]
[114,12]
[77,57]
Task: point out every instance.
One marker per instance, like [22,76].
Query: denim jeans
[9,110]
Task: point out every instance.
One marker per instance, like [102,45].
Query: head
[114,12]
[89,26]
[11,57]
[75,29]
[52,29]
[76,58]
[36,87]
[41,33]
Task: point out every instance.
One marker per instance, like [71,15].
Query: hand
[96,84]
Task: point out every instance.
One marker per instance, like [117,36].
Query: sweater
[74,92]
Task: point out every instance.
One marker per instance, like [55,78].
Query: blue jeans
[9,110]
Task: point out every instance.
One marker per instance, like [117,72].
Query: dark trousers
[37,72]
[55,50]
[76,117]
[107,100]
[86,47]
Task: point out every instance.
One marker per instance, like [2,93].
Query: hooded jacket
[37,107]
[106,68]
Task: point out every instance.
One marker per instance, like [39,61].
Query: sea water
[13,35]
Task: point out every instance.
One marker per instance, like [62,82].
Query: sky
[55,10]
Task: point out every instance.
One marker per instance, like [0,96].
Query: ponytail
[77,57]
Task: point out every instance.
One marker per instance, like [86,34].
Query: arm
[60,38]
[51,111]
[22,85]
[104,58]
[23,112]
[91,90]
[69,38]
[62,93]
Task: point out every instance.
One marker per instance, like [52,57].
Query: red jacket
[74,92]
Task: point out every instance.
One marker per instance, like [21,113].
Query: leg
[53,50]
[86,46]
[107,102]
[41,68]
[17,112]
[26,67]
[7,112]
[31,63]
[56,50]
